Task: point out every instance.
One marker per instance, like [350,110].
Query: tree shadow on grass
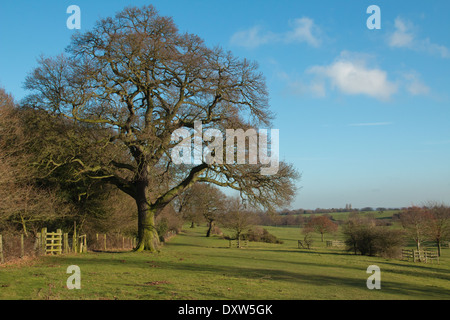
[111,251]
[298,278]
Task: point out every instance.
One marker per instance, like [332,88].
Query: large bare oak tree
[136,79]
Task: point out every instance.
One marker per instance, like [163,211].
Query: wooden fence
[335,243]
[426,256]
[59,243]
[104,242]
[55,243]
[45,243]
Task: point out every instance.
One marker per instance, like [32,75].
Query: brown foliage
[322,225]
[22,202]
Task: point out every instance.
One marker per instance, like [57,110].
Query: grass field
[191,266]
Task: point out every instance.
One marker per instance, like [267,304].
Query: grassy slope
[191,266]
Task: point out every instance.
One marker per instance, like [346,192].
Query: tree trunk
[239,240]
[148,238]
[208,233]
[438,242]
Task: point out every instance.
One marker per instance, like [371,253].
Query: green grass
[191,266]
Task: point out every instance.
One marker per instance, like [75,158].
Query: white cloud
[354,77]
[405,37]
[352,73]
[302,30]
[402,37]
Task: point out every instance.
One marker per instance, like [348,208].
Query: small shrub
[261,235]
[368,239]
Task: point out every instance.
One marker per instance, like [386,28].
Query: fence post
[104,240]
[81,244]
[37,243]
[85,244]
[44,240]
[22,249]
[66,243]
[39,235]
[59,240]
[2,260]
[75,238]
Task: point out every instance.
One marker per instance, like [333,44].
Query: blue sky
[363,114]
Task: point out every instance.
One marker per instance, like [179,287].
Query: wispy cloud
[370,124]
[434,143]
[405,36]
[303,30]
[252,38]
[414,85]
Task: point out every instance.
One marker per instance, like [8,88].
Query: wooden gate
[420,255]
[51,242]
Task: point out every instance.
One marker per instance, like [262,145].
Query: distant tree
[353,230]
[415,220]
[168,220]
[307,241]
[185,203]
[439,224]
[237,217]
[208,201]
[363,236]
[322,225]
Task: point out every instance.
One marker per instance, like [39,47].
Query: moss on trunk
[148,238]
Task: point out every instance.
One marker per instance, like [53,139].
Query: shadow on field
[300,277]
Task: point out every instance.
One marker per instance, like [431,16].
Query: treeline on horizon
[335,210]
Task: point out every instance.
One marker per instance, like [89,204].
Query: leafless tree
[415,220]
[137,79]
[439,224]
[238,218]
[207,201]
